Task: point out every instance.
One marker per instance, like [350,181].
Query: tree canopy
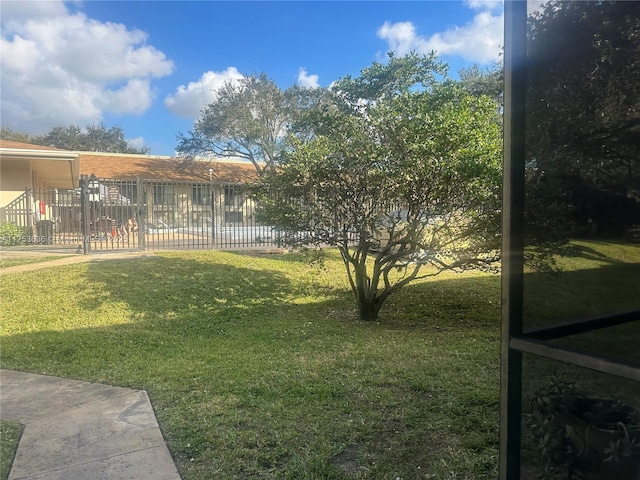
[583,119]
[248,119]
[93,138]
[402,170]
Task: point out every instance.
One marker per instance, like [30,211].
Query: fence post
[85,217]
[141,213]
[212,193]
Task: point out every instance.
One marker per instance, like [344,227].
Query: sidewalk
[67,259]
[78,430]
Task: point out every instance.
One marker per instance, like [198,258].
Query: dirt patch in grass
[347,459]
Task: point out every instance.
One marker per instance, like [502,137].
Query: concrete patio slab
[82,430]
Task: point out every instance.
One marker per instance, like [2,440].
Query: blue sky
[150,66]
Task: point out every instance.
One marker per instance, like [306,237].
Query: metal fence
[111,214]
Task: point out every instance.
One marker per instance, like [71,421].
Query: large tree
[248,119]
[397,168]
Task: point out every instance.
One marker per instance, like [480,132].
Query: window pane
[582,162]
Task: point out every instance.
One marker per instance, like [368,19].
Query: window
[232,196]
[201,195]
[129,191]
[233,217]
[163,195]
[571,270]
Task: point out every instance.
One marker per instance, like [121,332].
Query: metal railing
[114,214]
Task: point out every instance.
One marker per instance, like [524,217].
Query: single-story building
[41,183]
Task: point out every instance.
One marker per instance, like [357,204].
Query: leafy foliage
[93,138]
[484,81]
[7,133]
[583,130]
[12,234]
[402,170]
[248,119]
[577,435]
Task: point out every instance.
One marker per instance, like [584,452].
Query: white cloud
[21,11]
[485,4]
[479,41]
[307,81]
[59,67]
[188,101]
[136,143]
[401,37]
[135,97]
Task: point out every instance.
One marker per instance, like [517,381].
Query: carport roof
[59,168]
[26,146]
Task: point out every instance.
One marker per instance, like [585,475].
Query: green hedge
[12,234]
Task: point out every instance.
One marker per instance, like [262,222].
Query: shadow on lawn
[584,252]
[242,356]
[170,288]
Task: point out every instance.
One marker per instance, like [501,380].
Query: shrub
[12,234]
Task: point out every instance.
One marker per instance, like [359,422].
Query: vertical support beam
[212,192]
[512,236]
[85,215]
[29,198]
[141,213]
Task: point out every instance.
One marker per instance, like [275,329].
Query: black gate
[110,212]
[47,217]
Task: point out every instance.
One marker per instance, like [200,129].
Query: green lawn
[257,366]
[9,437]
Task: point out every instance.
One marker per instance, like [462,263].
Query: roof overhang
[59,168]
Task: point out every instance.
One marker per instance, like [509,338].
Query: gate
[110,212]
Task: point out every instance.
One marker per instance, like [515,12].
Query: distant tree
[397,168]
[583,119]
[248,119]
[7,133]
[93,138]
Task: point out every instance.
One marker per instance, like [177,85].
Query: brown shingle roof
[149,167]
[26,146]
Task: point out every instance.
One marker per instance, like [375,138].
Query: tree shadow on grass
[231,355]
[559,297]
[572,250]
[187,290]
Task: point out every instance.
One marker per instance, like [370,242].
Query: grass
[257,367]
[7,262]
[10,433]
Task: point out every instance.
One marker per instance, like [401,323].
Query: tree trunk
[367,299]
[364,288]
[368,310]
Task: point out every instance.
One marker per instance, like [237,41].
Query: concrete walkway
[78,430]
[67,259]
